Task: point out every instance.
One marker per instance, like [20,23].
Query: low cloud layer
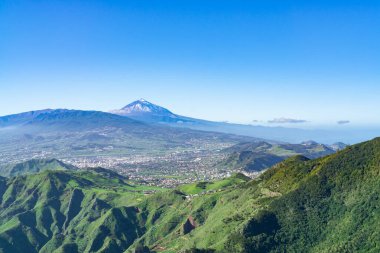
[343,122]
[286,121]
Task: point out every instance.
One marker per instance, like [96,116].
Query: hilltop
[141,107]
[258,156]
[34,166]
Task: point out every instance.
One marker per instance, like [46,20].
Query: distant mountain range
[144,111]
[138,129]
[66,119]
[97,137]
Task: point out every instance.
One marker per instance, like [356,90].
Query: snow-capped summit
[143,106]
[145,111]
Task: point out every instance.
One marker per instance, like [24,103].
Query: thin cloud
[286,121]
[343,122]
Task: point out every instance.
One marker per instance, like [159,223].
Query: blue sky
[235,61]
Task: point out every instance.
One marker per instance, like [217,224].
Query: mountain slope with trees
[329,204]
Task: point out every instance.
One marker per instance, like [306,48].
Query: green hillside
[34,166]
[67,211]
[202,187]
[257,156]
[330,204]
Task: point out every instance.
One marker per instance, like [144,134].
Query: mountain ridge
[93,138]
[274,133]
[34,166]
[258,156]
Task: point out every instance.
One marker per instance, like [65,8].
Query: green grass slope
[34,166]
[207,187]
[68,211]
[330,204]
[257,156]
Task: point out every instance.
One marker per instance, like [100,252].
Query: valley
[135,149]
[147,151]
[256,130]
[331,199]
[86,181]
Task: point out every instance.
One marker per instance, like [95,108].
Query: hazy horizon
[292,63]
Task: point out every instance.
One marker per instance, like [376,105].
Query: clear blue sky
[233,60]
